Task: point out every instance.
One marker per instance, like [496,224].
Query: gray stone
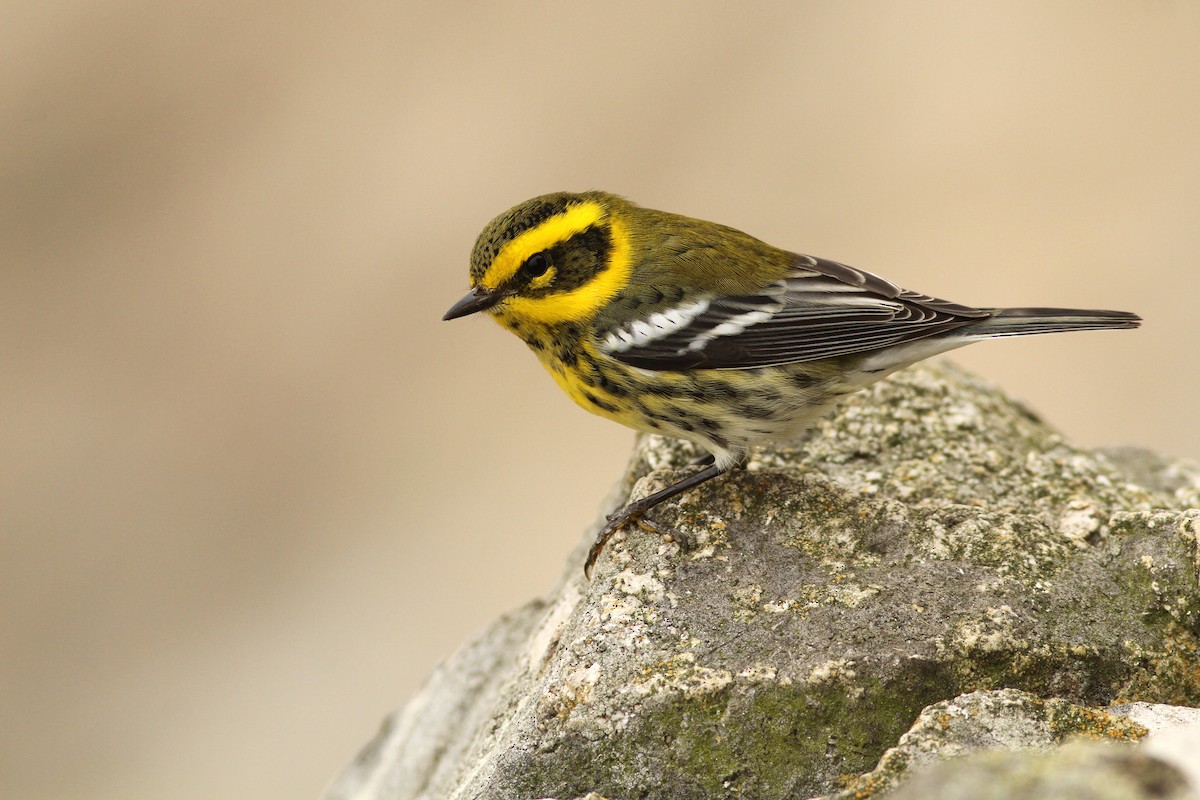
[993,720]
[1159,718]
[953,751]
[1077,771]
[427,739]
[932,538]
[1174,734]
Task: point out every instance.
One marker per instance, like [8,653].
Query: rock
[1078,771]
[1174,735]
[932,538]
[951,752]
[998,719]
[430,738]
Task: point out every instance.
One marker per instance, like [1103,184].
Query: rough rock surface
[1078,771]
[999,719]
[1174,734]
[932,538]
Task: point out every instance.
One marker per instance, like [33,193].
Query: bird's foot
[686,541]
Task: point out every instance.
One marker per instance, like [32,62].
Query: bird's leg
[634,510]
[702,461]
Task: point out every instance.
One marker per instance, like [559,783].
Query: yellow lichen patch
[680,673]
[1167,674]
[1071,721]
[561,697]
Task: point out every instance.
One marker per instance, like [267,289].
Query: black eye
[535,266]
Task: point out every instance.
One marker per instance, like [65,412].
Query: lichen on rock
[991,720]
[932,538]
[1077,771]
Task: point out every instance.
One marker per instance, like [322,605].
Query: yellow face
[545,268]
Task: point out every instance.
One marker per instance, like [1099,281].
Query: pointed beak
[478,299]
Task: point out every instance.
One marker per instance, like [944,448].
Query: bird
[695,330]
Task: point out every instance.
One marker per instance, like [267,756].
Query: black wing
[822,310]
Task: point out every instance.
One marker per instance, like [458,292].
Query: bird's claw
[618,519]
[686,541]
[612,523]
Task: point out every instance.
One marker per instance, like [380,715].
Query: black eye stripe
[566,265]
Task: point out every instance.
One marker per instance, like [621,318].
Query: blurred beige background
[252,488]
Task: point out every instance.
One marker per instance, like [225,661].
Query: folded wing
[822,310]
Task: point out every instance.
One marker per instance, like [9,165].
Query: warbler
[695,330]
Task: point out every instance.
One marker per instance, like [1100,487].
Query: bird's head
[555,259]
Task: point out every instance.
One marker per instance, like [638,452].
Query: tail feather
[1003,322]
[1025,321]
